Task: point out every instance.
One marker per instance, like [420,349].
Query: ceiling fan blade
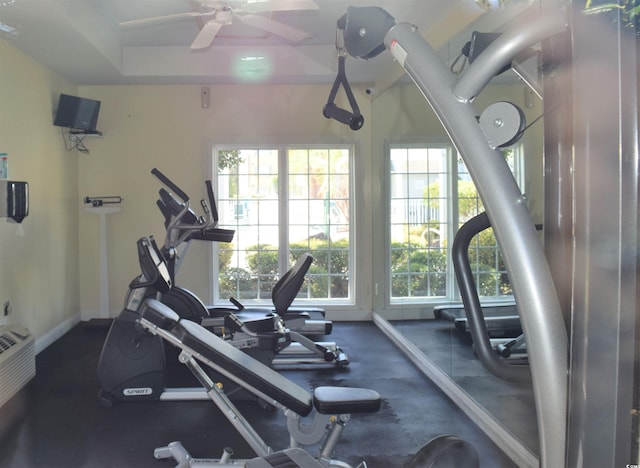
[261,6]
[163,19]
[275,27]
[206,35]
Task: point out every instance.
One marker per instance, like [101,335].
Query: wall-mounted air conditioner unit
[17,360]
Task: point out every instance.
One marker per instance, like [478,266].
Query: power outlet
[7,308]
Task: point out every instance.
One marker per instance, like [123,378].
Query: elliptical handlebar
[212,200]
[177,230]
[166,181]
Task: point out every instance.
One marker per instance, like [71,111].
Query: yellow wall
[40,267]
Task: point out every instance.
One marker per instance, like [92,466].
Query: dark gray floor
[56,422]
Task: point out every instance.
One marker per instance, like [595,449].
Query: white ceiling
[82,40]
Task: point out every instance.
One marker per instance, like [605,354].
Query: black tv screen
[77,113]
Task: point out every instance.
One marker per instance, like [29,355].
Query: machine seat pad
[346,400]
[302,310]
[259,323]
[302,314]
[242,366]
[159,314]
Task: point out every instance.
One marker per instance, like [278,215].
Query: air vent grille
[17,360]
[6,342]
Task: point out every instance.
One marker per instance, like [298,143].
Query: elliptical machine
[183,227]
[133,365]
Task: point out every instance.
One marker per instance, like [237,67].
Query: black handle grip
[205,207]
[166,181]
[212,200]
[233,322]
[331,111]
[236,303]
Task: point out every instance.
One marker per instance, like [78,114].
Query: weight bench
[333,405]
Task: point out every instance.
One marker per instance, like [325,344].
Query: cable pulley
[354,119]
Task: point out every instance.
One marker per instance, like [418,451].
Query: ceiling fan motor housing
[224,16]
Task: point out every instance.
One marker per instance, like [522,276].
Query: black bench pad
[244,367]
[346,400]
[159,314]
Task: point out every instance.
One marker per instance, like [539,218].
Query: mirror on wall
[429,195]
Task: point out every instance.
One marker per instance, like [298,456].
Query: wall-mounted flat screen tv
[77,113]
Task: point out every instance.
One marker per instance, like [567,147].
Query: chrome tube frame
[534,290]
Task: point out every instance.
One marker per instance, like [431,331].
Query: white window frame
[283,220]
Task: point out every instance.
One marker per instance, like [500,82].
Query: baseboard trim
[52,335]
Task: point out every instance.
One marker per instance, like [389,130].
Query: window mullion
[283,209]
[454,219]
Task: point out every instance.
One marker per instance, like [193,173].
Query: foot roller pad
[346,400]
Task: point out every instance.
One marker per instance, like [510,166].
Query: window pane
[418,213]
[319,219]
[319,216]
[247,195]
[484,255]
[421,231]
[298,186]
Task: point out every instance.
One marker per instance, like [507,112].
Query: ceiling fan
[219,13]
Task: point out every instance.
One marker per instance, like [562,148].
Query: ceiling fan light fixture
[224,16]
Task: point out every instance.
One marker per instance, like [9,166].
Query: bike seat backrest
[288,286]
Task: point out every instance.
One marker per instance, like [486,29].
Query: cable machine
[586,391]
[451,97]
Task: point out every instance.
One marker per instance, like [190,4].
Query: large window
[281,202]
[430,196]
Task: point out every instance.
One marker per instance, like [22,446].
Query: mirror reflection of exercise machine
[475,319]
[495,329]
[451,97]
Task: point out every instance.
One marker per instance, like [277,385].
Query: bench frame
[158,319]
